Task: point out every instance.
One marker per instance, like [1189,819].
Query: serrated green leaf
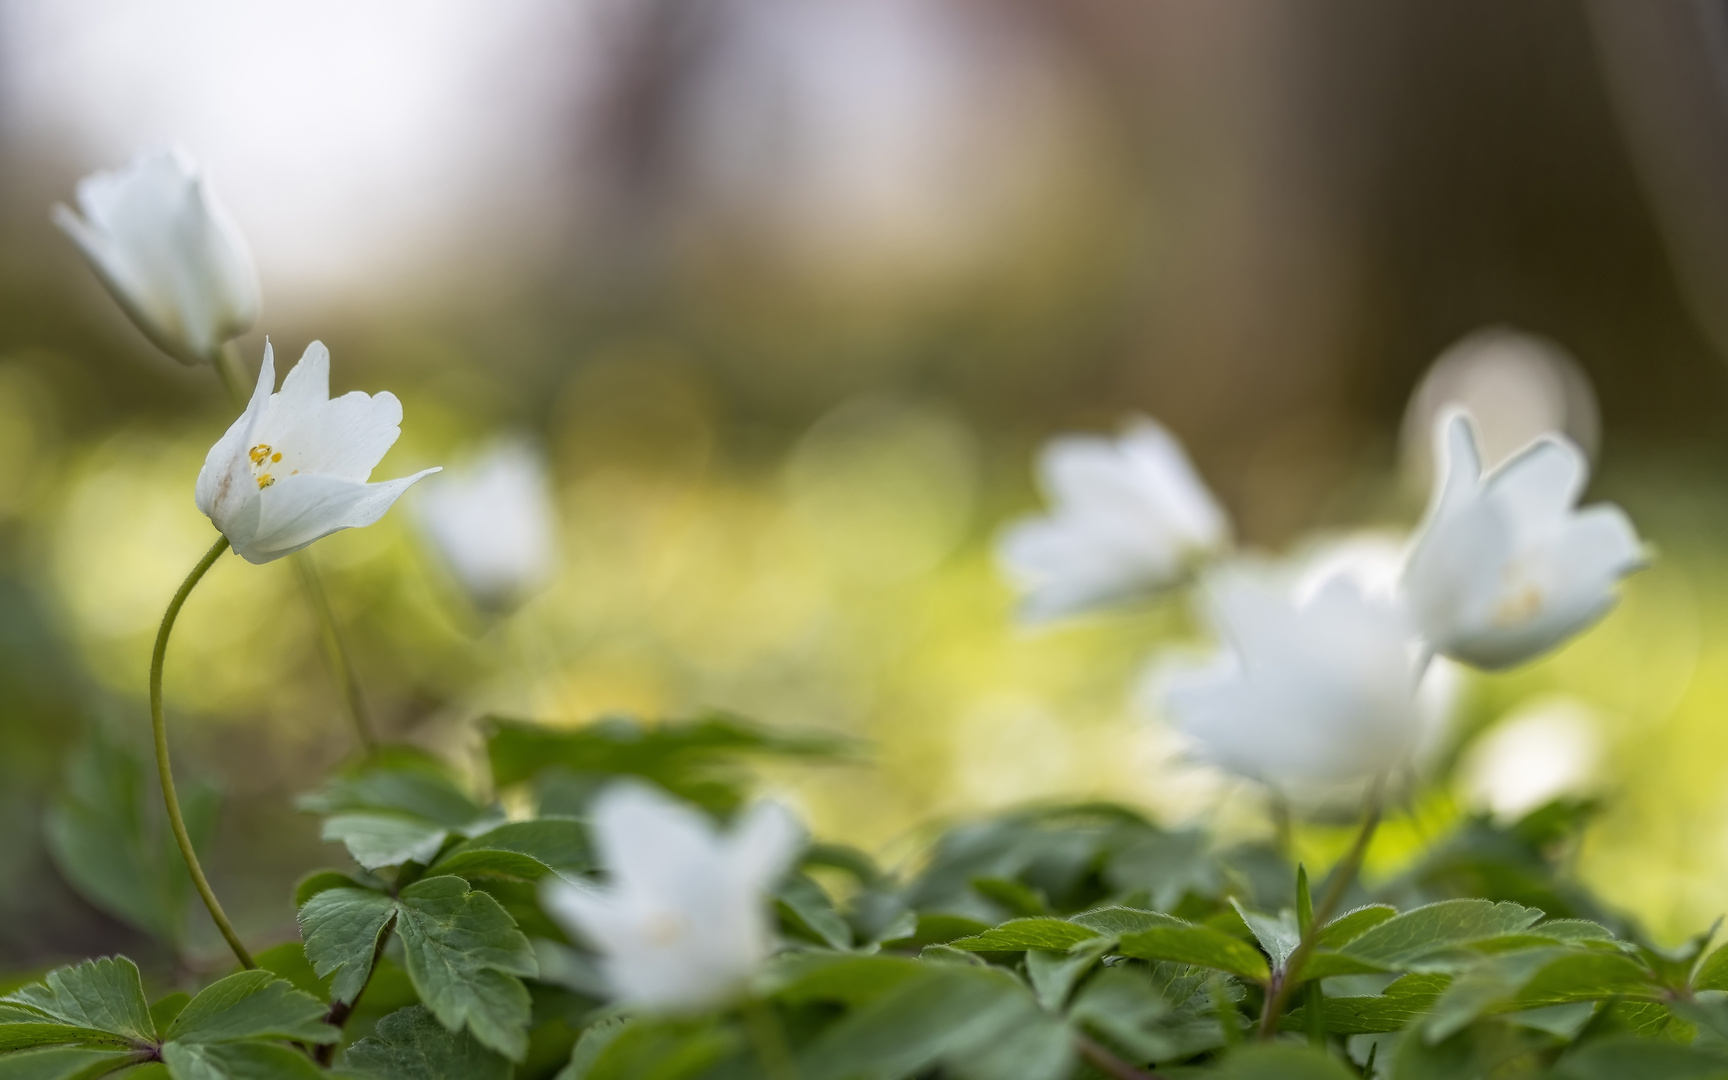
[319,880]
[400,780]
[589,1046]
[1016,935]
[377,839]
[522,849]
[102,995]
[1407,938]
[1115,921]
[63,1063]
[1125,1007]
[1534,978]
[23,1034]
[464,953]
[251,1005]
[1712,974]
[1573,930]
[410,1044]
[1402,1001]
[1200,945]
[342,929]
[1353,924]
[1325,964]
[237,1061]
[285,961]
[1277,934]
[809,910]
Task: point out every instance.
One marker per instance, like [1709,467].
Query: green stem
[1342,876]
[1100,1058]
[769,1039]
[160,728]
[335,652]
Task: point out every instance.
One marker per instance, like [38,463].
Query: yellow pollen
[277,456]
[259,453]
[1520,607]
[265,481]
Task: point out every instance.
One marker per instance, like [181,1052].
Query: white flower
[1128,516]
[1506,567]
[492,523]
[684,921]
[293,468]
[1306,692]
[169,253]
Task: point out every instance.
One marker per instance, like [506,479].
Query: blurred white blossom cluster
[1331,665]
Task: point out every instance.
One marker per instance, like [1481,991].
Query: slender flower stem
[335,652]
[233,375]
[160,728]
[770,1041]
[1106,1062]
[1342,877]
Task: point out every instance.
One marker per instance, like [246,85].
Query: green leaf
[63,1063]
[251,1005]
[1623,1058]
[163,1012]
[103,995]
[803,903]
[1053,974]
[662,1050]
[521,849]
[1712,974]
[1405,939]
[1532,978]
[1039,1047]
[1116,921]
[1016,897]
[343,929]
[410,1044]
[909,1028]
[1278,935]
[285,961]
[1016,935]
[237,1061]
[850,980]
[1200,945]
[108,838]
[464,953]
[401,780]
[1353,924]
[589,1046]
[1124,1006]
[319,880]
[1282,1063]
[378,839]
[1403,1000]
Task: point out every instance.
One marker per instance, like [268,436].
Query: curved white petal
[299,510]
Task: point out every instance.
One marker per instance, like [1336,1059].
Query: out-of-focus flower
[684,921]
[492,524]
[1547,749]
[293,468]
[1374,560]
[1128,516]
[156,236]
[1506,567]
[1305,693]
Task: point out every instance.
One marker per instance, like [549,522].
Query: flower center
[666,928]
[263,457]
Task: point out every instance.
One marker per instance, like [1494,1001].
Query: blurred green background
[790,291]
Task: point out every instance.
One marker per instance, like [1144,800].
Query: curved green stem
[335,652]
[1342,875]
[160,729]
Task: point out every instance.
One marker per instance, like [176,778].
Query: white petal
[650,842]
[1460,461]
[298,510]
[1541,482]
[225,490]
[764,841]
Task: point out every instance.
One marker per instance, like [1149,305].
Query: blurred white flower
[1128,516]
[492,524]
[1374,560]
[293,468]
[1305,692]
[684,920]
[156,236]
[1505,566]
[1547,749]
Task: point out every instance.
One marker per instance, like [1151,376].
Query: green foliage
[109,838]
[92,1019]
[411,1044]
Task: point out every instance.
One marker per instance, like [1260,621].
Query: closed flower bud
[168,252]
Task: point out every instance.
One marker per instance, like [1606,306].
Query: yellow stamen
[277,456]
[260,452]
[265,481]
